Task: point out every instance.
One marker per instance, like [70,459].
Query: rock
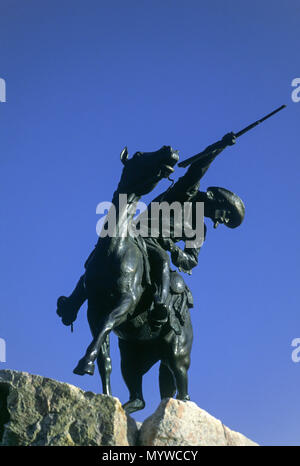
[36,410]
[185,424]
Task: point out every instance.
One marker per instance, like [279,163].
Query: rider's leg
[160,263]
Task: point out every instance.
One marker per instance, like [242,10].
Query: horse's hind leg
[132,375]
[167,384]
[104,367]
[179,365]
[178,359]
[180,369]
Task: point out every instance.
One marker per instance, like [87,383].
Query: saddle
[180,298]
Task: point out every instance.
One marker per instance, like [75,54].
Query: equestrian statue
[129,282]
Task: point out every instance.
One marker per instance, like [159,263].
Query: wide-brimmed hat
[228,201]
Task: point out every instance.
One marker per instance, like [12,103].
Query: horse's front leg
[115,318]
[126,275]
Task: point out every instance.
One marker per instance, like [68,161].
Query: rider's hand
[168,244]
[229,139]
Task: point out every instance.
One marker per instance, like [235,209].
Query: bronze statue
[130,286]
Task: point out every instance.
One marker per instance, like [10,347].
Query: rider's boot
[158,316]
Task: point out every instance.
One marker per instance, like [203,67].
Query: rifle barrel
[243,131]
[196,157]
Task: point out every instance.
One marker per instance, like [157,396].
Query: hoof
[60,305]
[183,398]
[66,310]
[158,317]
[84,367]
[134,405]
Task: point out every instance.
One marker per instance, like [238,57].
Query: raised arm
[187,186]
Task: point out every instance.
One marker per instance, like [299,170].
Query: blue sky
[86,78]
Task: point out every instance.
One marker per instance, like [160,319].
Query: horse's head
[144,170]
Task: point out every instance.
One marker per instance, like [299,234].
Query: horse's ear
[124,155]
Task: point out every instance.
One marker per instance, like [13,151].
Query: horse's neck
[124,206]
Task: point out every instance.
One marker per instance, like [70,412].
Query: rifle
[204,153]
